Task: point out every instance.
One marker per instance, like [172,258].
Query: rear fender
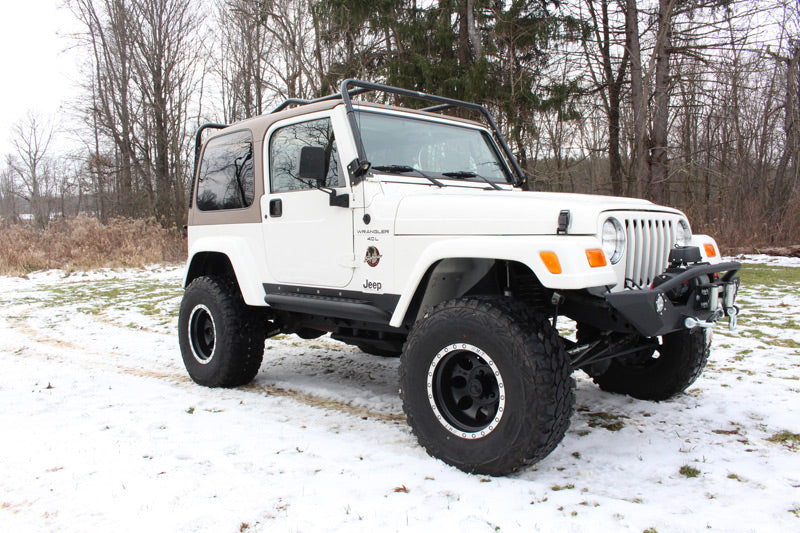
[243,259]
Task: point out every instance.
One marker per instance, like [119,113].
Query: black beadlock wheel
[658,374]
[221,338]
[202,334]
[486,385]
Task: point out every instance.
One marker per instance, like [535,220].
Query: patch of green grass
[606,421]
[787,343]
[154,298]
[769,275]
[689,471]
[726,431]
[771,339]
[787,438]
[735,477]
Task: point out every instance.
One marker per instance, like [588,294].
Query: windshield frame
[486,135]
[360,165]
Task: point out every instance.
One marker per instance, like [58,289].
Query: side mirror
[312,164]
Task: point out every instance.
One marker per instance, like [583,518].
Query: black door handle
[275,207]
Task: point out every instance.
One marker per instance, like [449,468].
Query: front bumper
[696,296]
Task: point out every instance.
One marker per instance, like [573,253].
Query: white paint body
[413,224]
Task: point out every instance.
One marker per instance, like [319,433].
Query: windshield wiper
[401,169]
[469,174]
[394,168]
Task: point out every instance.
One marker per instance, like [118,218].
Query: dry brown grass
[84,243]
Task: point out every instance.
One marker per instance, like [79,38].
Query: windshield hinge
[563,222]
[357,169]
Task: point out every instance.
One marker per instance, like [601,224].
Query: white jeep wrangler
[404,232]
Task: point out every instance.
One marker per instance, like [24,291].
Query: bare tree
[787,174]
[606,39]
[8,195]
[243,55]
[144,58]
[31,166]
[112,109]
[164,39]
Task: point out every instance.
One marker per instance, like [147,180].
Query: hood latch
[563,222]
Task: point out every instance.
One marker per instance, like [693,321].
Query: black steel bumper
[698,295]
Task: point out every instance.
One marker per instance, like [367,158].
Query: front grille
[648,244]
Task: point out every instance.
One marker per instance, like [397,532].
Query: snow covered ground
[102,430]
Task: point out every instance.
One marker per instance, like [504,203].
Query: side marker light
[550,260]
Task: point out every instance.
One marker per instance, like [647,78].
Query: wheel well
[206,263]
[457,277]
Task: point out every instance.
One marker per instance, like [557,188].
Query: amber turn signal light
[550,260]
[710,250]
[596,257]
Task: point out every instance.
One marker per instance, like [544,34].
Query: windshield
[400,144]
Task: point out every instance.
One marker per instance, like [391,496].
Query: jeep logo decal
[373,256]
[373,285]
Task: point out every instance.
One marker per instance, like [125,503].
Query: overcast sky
[38,72]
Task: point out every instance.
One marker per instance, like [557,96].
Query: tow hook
[693,322]
[733,313]
[728,296]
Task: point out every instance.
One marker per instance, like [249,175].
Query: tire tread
[545,425]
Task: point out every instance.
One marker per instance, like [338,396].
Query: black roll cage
[353,87]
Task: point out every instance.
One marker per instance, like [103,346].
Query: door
[307,241]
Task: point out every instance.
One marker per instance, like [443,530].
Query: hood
[508,212]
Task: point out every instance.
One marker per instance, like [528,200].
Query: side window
[284,154]
[226,179]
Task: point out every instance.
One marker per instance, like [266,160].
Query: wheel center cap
[475,387]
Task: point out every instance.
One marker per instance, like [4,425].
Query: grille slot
[648,243]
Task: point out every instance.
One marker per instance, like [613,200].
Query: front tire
[221,338]
[659,374]
[486,385]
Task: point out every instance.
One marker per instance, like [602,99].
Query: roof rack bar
[440,107]
[290,101]
[302,101]
[361,165]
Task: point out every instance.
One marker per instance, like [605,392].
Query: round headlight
[682,233]
[613,240]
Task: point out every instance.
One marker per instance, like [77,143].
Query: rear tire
[221,338]
[662,373]
[486,385]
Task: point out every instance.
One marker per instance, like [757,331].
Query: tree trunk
[657,187]
[639,175]
[791,125]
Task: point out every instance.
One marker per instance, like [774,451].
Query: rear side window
[284,154]
[227,179]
